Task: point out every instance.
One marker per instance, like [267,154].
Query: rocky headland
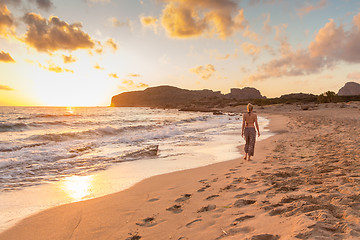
[173,97]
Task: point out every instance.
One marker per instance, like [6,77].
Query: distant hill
[244,93]
[350,89]
[169,96]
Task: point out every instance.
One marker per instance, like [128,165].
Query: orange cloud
[257,2]
[69,59]
[7,21]
[54,68]
[134,75]
[111,43]
[142,85]
[266,26]
[6,88]
[128,82]
[113,75]
[97,66]
[251,35]
[193,18]
[354,76]
[148,20]
[53,34]
[5,57]
[250,49]
[44,4]
[117,23]
[205,72]
[332,44]
[309,8]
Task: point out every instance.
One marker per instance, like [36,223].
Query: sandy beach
[303,183]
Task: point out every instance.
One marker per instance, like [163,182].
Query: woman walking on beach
[248,129]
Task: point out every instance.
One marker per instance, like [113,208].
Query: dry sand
[303,183]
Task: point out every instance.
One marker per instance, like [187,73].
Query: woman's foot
[249,158]
[245,156]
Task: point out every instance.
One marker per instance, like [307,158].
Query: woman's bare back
[250,119]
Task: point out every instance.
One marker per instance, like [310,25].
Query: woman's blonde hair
[250,107]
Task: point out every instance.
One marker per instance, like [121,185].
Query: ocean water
[55,155]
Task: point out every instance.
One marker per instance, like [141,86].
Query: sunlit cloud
[97,66]
[251,35]
[5,57]
[11,2]
[113,75]
[69,59]
[6,88]
[204,72]
[134,75]
[310,7]
[331,45]
[250,49]
[131,85]
[194,18]
[266,25]
[353,76]
[111,43]
[40,4]
[44,4]
[7,21]
[128,82]
[216,54]
[54,68]
[114,22]
[53,34]
[142,85]
[150,22]
[257,2]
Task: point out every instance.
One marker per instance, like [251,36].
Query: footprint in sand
[183,198]
[147,222]
[241,219]
[153,200]
[265,237]
[228,187]
[175,208]
[204,188]
[192,222]
[133,237]
[207,208]
[243,202]
[212,197]
[234,231]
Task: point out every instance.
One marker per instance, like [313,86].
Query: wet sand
[303,183]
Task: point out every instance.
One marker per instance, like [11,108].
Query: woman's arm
[243,126]
[257,126]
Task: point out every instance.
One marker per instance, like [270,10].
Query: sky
[82,52]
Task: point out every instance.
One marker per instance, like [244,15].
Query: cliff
[350,89]
[244,93]
[173,97]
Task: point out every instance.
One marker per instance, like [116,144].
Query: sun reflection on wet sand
[78,187]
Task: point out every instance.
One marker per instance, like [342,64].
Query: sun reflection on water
[70,110]
[78,187]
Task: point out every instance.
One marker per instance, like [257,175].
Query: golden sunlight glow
[78,187]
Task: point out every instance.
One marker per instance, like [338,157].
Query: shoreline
[17,205]
[129,191]
[302,183]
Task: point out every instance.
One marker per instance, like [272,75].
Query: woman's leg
[247,140]
[252,139]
